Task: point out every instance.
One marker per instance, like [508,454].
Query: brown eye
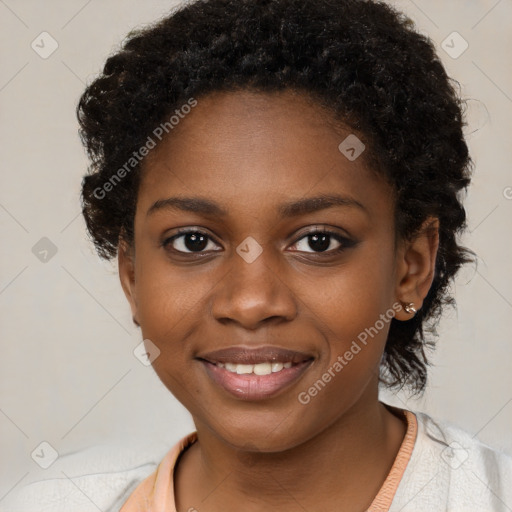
[188,242]
[323,241]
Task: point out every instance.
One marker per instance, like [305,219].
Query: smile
[255,373]
[265,368]
[255,381]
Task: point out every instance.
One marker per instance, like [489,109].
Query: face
[251,261]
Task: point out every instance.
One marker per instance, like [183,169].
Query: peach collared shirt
[156,492]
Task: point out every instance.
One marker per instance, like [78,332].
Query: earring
[409,308]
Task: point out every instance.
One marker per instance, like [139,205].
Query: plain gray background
[68,374]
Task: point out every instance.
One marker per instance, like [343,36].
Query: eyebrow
[286,210]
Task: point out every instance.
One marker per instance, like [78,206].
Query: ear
[416,263]
[126,265]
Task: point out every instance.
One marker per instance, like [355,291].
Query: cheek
[351,298]
[169,303]
[354,339]
[353,311]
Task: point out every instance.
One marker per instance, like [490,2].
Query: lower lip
[255,387]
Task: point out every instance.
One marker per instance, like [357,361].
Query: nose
[254,293]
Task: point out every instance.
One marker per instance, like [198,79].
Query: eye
[195,241]
[322,241]
[188,241]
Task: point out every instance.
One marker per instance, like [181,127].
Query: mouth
[264,368]
[255,374]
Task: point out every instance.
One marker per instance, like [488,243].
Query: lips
[244,372]
[243,355]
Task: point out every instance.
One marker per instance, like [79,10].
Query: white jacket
[449,470]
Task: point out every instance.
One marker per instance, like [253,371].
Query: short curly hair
[360,59]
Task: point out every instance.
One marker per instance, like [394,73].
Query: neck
[347,462]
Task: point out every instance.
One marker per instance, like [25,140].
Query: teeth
[262,369]
[276,367]
[257,369]
[244,368]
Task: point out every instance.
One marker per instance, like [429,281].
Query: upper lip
[245,355]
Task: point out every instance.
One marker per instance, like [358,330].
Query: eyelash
[345,243]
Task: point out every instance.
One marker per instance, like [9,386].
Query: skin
[250,152]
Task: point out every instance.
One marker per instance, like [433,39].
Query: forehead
[251,149]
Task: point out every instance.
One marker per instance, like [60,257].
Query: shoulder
[460,449]
[453,470]
[96,478]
